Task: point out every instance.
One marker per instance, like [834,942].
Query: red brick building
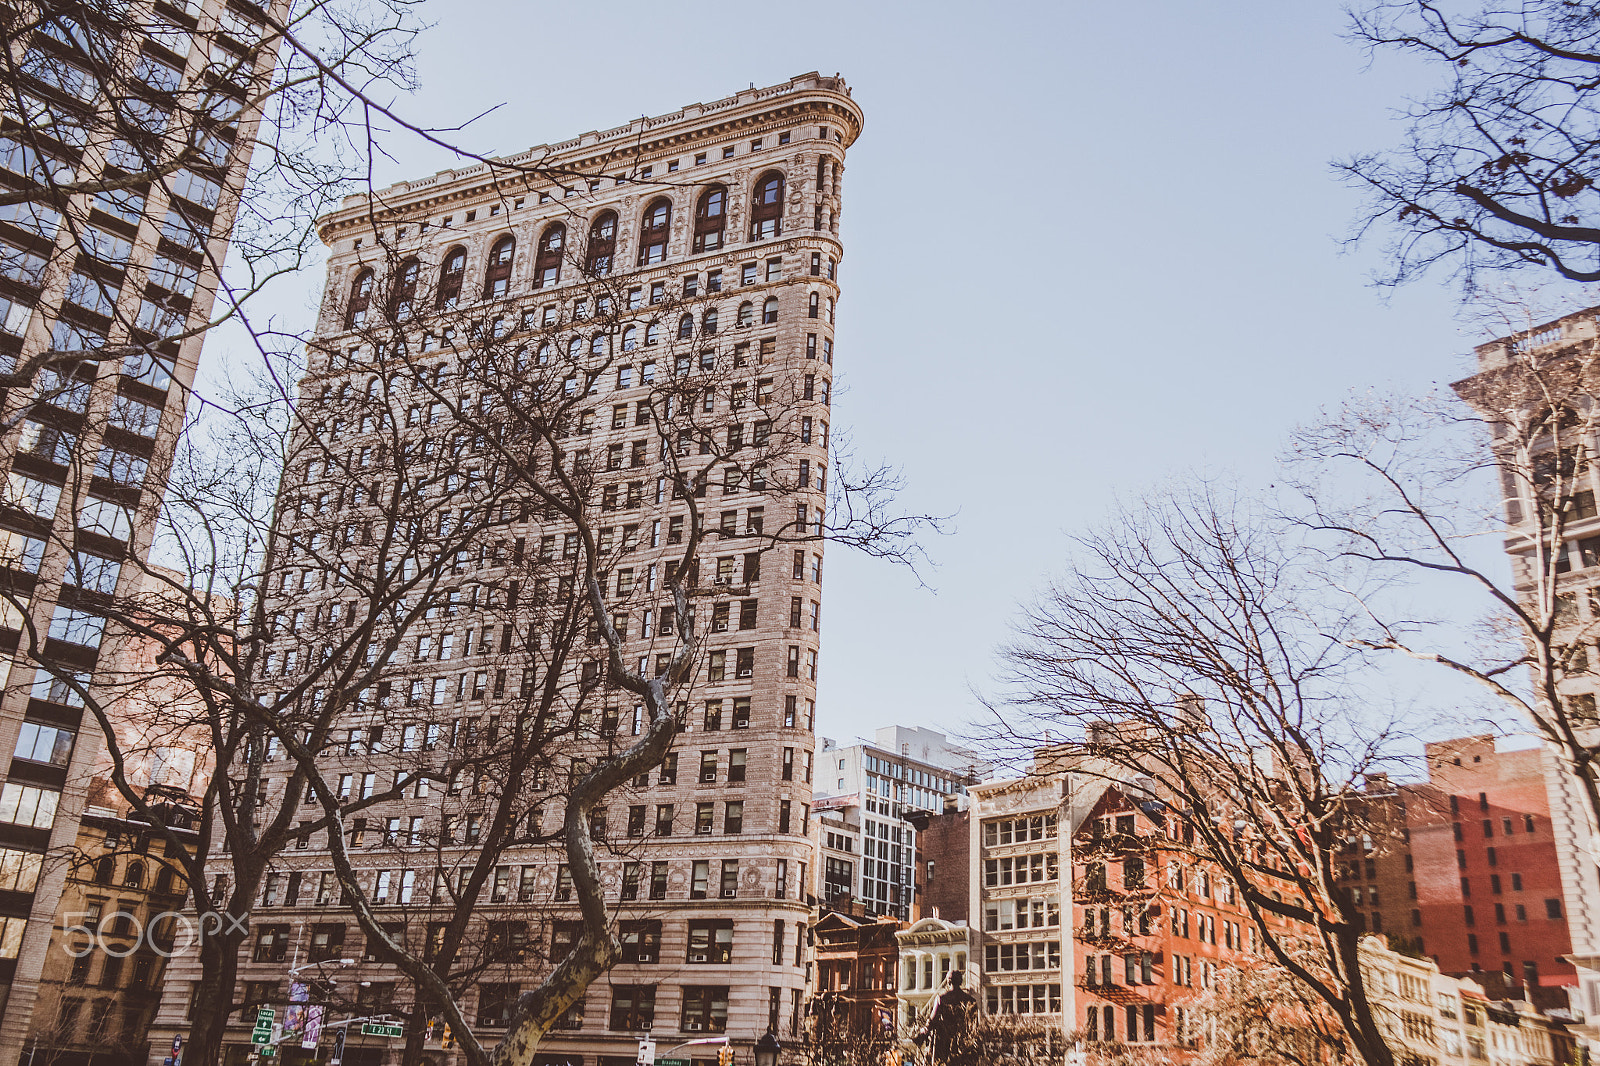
[857,969]
[1153,926]
[1491,884]
[944,863]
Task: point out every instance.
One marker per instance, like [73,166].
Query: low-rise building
[1022,863]
[857,963]
[930,951]
[1432,1019]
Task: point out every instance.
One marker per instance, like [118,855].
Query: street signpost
[262,1033]
[338,1047]
[647,1053]
[389,1029]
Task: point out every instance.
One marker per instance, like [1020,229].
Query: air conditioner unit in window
[692,1027]
[700,957]
[704,830]
[645,956]
[729,893]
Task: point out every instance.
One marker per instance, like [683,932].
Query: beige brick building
[724,212]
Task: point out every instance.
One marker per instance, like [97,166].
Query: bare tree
[1496,170]
[318,531]
[111,113]
[1200,657]
[1434,489]
[1260,1013]
[512,401]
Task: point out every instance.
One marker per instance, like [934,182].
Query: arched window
[709,215]
[630,338]
[769,311]
[164,881]
[708,321]
[134,878]
[768,207]
[405,289]
[547,264]
[450,275]
[685,327]
[544,354]
[575,348]
[602,244]
[105,871]
[811,305]
[497,277]
[600,345]
[355,313]
[652,334]
[747,315]
[654,230]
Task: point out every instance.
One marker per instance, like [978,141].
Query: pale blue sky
[1086,246]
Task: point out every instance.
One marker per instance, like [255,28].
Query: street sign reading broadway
[381,1029]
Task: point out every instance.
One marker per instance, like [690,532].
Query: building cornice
[588,154]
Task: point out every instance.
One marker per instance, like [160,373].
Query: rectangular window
[711,942]
[26,805]
[633,1007]
[705,1009]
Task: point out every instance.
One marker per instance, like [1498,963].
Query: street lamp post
[767,1049]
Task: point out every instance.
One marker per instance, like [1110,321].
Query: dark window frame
[548,256]
[452,270]
[766,206]
[601,251]
[355,312]
[710,219]
[497,274]
[655,236]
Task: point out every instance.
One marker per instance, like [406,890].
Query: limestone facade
[723,899]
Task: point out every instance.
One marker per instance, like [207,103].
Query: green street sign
[381,1029]
[268,1051]
[264,1016]
[260,1036]
[673,1062]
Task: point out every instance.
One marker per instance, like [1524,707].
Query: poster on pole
[313,1035]
[294,1017]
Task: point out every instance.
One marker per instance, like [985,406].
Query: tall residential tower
[109,289]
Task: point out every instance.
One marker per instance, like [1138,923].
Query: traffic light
[725,1055]
[447,1039]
